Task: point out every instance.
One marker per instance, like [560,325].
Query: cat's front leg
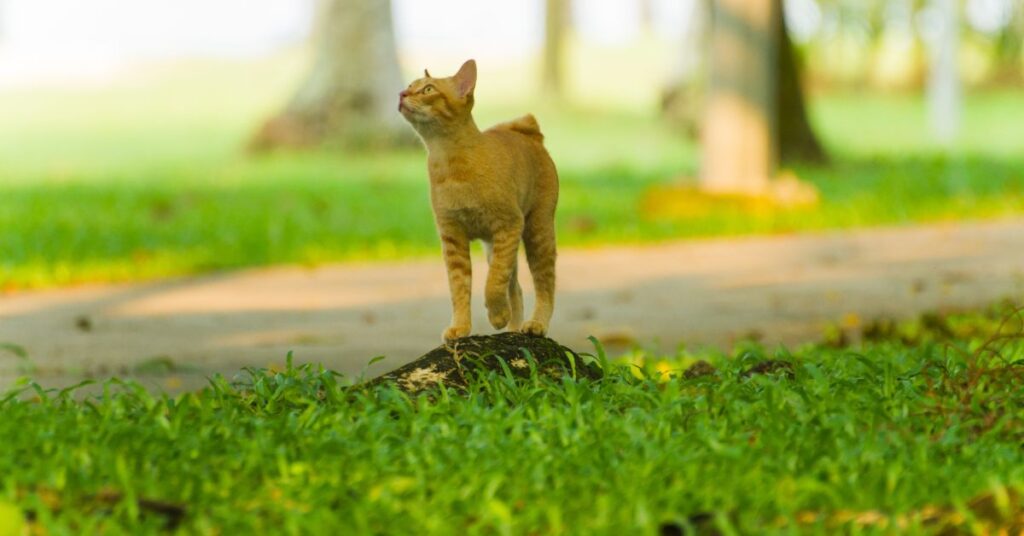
[503,263]
[455,245]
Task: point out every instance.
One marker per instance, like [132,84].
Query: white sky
[60,40]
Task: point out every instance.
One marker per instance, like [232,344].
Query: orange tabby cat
[498,186]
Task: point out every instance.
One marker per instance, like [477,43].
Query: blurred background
[147,138]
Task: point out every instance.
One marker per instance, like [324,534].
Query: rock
[771,366]
[454,364]
[698,369]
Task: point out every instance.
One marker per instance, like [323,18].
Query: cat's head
[432,104]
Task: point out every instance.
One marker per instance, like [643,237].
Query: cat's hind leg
[515,298]
[539,242]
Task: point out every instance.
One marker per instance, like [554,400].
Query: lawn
[916,431]
[148,179]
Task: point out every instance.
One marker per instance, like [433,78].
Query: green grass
[148,179]
[926,415]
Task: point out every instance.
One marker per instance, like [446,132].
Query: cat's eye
[428,89]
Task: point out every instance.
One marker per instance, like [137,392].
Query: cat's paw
[499,313]
[455,332]
[533,327]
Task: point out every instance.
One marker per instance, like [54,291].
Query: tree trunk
[556,21]
[682,98]
[456,364]
[944,83]
[350,94]
[1010,48]
[740,130]
[755,113]
[797,141]
[646,8]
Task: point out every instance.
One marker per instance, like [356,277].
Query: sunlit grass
[912,431]
[149,179]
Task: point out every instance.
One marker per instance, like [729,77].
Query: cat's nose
[403,94]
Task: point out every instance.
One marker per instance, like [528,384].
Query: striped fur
[499,186]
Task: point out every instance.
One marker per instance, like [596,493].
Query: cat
[499,186]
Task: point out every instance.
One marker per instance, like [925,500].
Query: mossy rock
[455,364]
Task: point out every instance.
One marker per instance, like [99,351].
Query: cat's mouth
[404,108]
[409,112]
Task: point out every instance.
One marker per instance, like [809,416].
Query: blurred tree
[755,111]
[556,23]
[797,140]
[647,16]
[856,40]
[944,78]
[739,134]
[1010,45]
[683,95]
[350,94]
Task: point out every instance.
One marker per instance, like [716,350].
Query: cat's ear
[465,79]
[426,73]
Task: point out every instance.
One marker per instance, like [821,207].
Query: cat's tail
[525,125]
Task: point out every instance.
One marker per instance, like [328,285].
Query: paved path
[699,292]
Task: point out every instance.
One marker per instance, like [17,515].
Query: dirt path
[174,333]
